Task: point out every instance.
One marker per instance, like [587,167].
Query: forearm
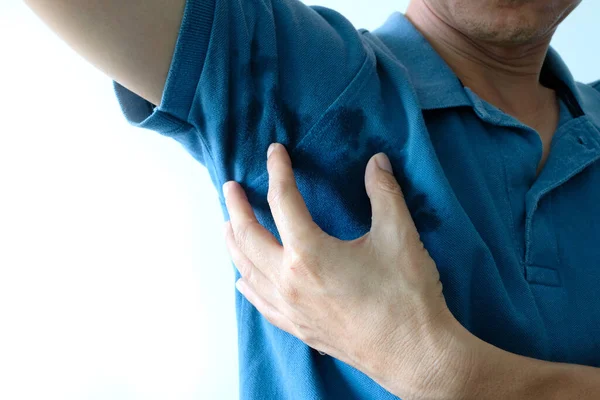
[467,368]
[503,375]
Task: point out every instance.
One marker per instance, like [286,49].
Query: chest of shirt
[517,254]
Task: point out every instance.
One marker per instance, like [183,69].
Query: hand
[375,303]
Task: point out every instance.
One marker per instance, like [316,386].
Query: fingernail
[271,148]
[226,188]
[383,162]
[238,286]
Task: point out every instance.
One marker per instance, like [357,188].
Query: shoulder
[590,100]
[589,91]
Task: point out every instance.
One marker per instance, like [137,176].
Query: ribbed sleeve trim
[188,58]
[184,73]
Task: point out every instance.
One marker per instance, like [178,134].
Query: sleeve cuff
[184,74]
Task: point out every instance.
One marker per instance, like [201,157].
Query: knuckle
[301,331]
[305,264]
[307,244]
[301,263]
[247,273]
[269,315]
[289,292]
[238,261]
[239,264]
[303,335]
[243,233]
[298,250]
[389,185]
[277,192]
[298,265]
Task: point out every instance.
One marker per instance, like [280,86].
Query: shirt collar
[437,86]
[557,76]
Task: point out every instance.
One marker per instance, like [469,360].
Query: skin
[343,298]
[497,48]
[376,303]
[403,336]
[503,23]
[130,41]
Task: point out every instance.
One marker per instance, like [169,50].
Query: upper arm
[131,41]
[229,76]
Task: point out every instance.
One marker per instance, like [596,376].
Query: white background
[114,279]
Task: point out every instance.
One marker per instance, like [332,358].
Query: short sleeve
[246,73]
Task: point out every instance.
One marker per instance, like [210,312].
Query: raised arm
[131,41]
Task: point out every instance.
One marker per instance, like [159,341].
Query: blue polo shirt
[518,254]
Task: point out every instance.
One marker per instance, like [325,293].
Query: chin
[506,22]
[512,29]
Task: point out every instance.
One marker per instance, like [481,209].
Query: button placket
[541,263]
[575,150]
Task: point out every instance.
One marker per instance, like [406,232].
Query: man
[462,95]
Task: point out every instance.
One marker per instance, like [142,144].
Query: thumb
[391,219]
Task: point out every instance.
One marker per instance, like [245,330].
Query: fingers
[251,274]
[293,220]
[268,310]
[391,219]
[253,240]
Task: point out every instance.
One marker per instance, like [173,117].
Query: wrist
[452,376]
[498,374]
[439,365]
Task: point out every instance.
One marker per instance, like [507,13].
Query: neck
[503,75]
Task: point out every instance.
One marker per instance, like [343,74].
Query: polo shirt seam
[541,195]
[557,234]
[181,125]
[511,212]
[211,8]
[544,284]
[151,113]
[218,176]
[206,32]
[565,129]
[553,226]
[539,282]
[307,138]
[360,81]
